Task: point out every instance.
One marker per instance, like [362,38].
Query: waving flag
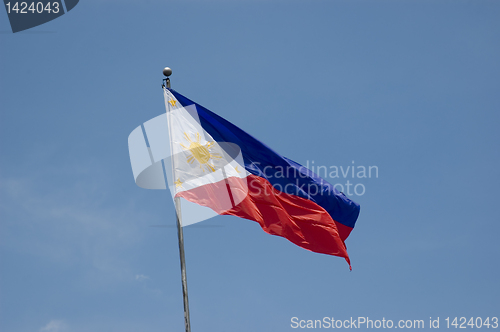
[219,166]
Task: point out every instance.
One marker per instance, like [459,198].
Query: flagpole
[167,72]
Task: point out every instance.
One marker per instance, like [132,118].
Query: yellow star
[172,102]
[178,183]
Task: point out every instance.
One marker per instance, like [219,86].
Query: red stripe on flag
[297,219]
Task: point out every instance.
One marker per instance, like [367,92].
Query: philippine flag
[219,166]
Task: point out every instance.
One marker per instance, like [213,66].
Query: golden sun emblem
[201,153]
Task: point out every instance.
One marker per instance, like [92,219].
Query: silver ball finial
[167,71]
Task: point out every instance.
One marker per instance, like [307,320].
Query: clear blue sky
[411,87]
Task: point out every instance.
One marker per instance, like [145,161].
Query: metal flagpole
[167,72]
